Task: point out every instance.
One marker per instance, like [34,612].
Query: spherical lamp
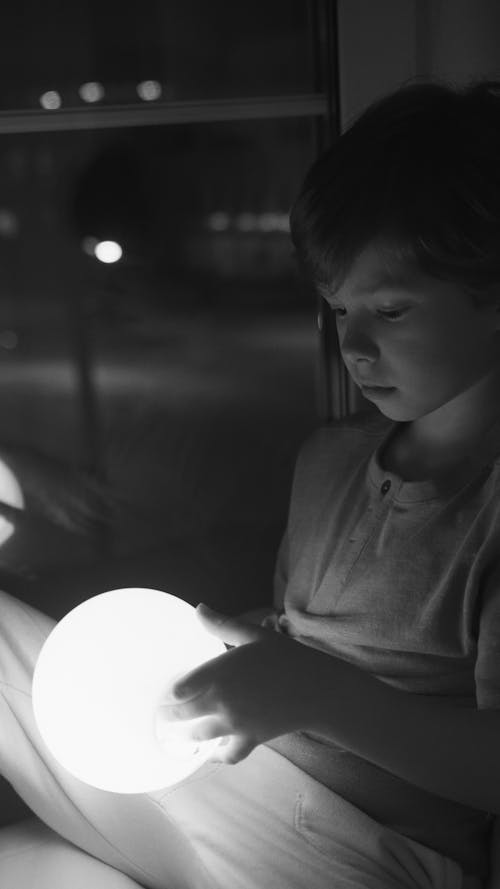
[100,678]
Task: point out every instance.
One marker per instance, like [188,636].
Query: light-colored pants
[261,824]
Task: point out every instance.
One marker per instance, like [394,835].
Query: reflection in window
[114,52]
[182,374]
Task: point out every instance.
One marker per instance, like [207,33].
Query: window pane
[184,372]
[183,49]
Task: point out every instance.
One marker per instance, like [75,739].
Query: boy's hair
[418,172]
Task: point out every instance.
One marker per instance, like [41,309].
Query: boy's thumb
[230,629]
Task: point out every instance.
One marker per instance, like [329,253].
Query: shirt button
[385,487]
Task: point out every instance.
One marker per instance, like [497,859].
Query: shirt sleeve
[281,574]
[487,668]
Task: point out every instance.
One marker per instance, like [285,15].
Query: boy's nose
[357,344]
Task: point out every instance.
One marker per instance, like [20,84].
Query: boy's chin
[395,407]
[397,413]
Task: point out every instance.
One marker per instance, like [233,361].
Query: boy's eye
[392,314]
[388,314]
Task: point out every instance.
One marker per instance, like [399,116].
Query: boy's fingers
[186,689]
[230,629]
[204,729]
[233,749]
[190,709]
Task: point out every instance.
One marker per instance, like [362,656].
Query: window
[154,334]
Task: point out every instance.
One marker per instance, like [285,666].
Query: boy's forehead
[378,268]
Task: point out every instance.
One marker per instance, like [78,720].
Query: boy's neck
[442,440]
[461,421]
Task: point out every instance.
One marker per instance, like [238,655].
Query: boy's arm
[448,750]
[269,685]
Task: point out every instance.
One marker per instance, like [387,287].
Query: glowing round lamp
[100,678]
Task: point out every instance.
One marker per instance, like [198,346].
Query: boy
[359,723]
[393,540]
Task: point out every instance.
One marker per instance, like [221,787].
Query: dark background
[152,408]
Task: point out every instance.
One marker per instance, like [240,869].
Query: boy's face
[422,340]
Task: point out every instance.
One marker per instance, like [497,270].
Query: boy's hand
[260,689]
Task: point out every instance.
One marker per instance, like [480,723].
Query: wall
[384,44]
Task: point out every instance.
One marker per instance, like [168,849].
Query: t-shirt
[402,579]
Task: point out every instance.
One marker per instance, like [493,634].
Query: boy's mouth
[376,390]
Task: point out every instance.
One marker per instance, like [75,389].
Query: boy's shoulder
[345,440]
[363,429]
[366,423]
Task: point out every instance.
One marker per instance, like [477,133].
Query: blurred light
[263,222]
[272,222]
[108,251]
[149,90]
[218,221]
[9,224]
[269,222]
[283,222]
[266,222]
[89,244]
[101,679]
[91,91]
[50,100]
[8,339]
[12,495]
[246,222]
[250,222]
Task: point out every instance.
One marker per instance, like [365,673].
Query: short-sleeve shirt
[402,579]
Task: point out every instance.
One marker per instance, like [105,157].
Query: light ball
[149,90]
[51,100]
[92,91]
[108,251]
[100,678]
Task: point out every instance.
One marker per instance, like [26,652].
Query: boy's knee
[23,630]
[32,854]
